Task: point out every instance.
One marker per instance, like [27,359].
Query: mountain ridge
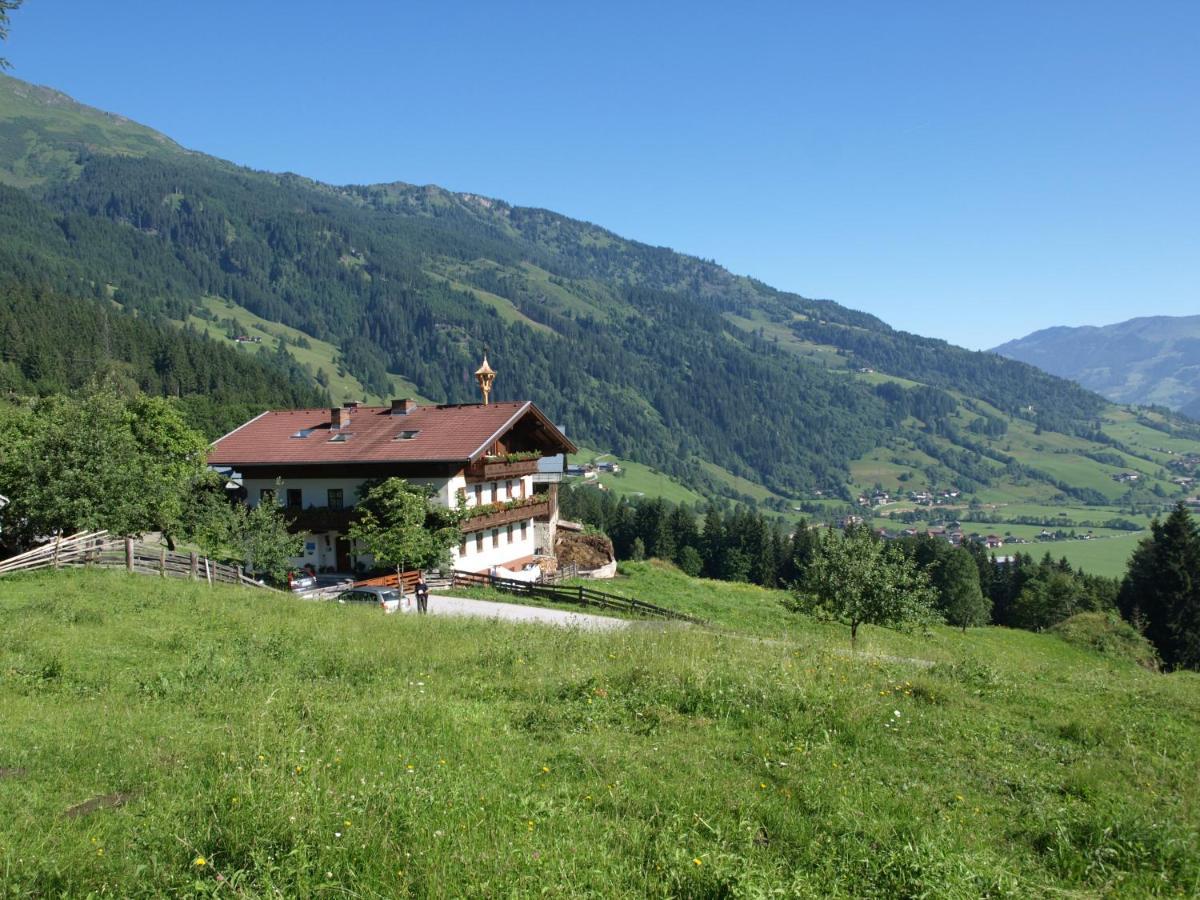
[660,357]
[1148,360]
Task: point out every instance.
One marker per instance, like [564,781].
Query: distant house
[993,541]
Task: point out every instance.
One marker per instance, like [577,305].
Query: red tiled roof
[443,434]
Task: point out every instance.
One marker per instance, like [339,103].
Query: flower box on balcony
[497,468]
[494,515]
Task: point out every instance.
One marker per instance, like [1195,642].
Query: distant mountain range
[1150,360]
[361,292]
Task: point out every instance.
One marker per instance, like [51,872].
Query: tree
[268,545]
[6,6]
[1048,598]
[101,461]
[857,580]
[257,537]
[956,579]
[689,561]
[400,526]
[1161,590]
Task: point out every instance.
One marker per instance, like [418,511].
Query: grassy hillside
[163,739]
[314,355]
[43,131]
[720,381]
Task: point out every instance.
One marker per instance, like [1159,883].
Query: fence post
[128,554]
[162,562]
[195,565]
[57,543]
[581,595]
[239,576]
[207,571]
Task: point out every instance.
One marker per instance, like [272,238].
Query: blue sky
[962,170]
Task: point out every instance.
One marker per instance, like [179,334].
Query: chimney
[339,417]
[403,407]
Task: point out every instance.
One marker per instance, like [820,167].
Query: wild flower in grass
[698,861]
[199,862]
[346,823]
[896,713]
[99,851]
[545,770]
[337,834]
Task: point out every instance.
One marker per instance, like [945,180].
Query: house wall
[498,550]
[314,491]
[320,549]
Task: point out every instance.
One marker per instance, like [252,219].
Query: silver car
[388,599]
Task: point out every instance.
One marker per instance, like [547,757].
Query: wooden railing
[493,469]
[407,581]
[98,548]
[579,596]
[533,507]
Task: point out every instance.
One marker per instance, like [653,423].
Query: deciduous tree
[857,580]
[400,526]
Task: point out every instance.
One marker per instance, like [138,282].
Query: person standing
[422,594]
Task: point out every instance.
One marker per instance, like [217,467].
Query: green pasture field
[171,739]
[318,355]
[1108,556]
[634,479]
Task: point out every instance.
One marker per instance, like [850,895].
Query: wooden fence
[98,548]
[579,596]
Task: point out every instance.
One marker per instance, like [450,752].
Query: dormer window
[406,435]
[341,437]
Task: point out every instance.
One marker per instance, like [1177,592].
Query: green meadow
[170,739]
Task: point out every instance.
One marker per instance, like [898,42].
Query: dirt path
[440,605]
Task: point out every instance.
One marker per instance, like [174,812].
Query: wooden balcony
[317,519]
[499,469]
[535,509]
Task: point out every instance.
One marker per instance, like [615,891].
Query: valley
[706,385]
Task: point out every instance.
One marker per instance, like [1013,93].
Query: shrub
[1109,635]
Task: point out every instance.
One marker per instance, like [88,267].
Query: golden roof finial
[485,376]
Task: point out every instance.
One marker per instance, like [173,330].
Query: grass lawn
[167,739]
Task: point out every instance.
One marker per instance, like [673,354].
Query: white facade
[495,546]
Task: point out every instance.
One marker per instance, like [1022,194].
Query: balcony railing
[319,518]
[493,516]
[499,468]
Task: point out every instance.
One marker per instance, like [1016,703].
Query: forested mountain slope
[1149,360]
[658,356]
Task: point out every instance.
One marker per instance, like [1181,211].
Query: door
[343,554]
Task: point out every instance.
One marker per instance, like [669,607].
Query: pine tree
[1161,590]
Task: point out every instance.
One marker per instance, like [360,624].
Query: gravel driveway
[486,609]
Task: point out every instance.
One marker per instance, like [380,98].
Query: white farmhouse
[315,461]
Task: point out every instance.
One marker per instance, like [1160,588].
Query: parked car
[301,581]
[389,599]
